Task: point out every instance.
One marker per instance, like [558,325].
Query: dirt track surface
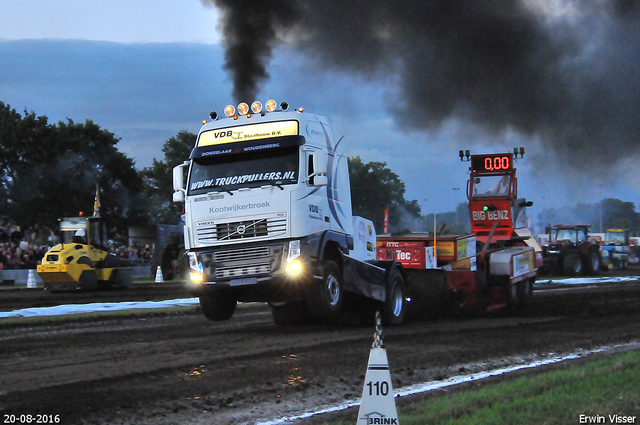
[177,369]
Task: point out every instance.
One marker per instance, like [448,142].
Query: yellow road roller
[81,260]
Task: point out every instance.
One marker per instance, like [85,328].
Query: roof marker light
[243,109]
[256,107]
[271,105]
[229,110]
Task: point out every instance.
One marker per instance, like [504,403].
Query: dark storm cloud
[571,80]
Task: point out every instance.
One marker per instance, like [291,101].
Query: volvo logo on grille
[241,229]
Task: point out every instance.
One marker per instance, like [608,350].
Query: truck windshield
[491,186]
[278,167]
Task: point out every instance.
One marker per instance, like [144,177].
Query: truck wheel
[593,261]
[217,307]
[514,294]
[572,264]
[395,305]
[526,290]
[325,299]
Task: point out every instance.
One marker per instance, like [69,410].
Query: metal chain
[377,336]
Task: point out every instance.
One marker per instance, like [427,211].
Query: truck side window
[310,172]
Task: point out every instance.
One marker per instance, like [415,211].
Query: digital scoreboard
[492,163]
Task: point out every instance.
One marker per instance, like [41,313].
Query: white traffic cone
[31,280]
[159,278]
[378,405]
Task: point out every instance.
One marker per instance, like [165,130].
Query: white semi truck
[267,218]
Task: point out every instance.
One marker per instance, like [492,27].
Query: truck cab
[268,216]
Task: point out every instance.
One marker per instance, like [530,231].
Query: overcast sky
[146,69]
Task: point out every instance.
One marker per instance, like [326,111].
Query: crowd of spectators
[17,253]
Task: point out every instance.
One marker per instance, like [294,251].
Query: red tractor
[570,252]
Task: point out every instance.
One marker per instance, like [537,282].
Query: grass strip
[592,392]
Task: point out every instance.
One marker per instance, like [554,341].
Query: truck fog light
[196,277]
[294,268]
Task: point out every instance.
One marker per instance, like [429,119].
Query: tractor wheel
[593,262]
[395,305]
[572,264]
[217,307]
[325,298]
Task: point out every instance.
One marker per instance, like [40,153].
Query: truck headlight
[294,250]
[193,262]
[196,277]
[294,266]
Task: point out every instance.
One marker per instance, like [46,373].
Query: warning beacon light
[517,152]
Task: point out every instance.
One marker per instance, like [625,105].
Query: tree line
[48,171]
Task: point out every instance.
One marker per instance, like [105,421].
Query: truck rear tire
[217,307]
[325,298]
[572,264]
[395,305]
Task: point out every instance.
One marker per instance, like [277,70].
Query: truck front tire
[325,298]
[217,307]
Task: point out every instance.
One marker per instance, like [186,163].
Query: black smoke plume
[250,30]
[569,79]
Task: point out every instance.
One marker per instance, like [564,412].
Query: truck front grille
[244,270]
[248,229]
[242,254]
[229,264]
